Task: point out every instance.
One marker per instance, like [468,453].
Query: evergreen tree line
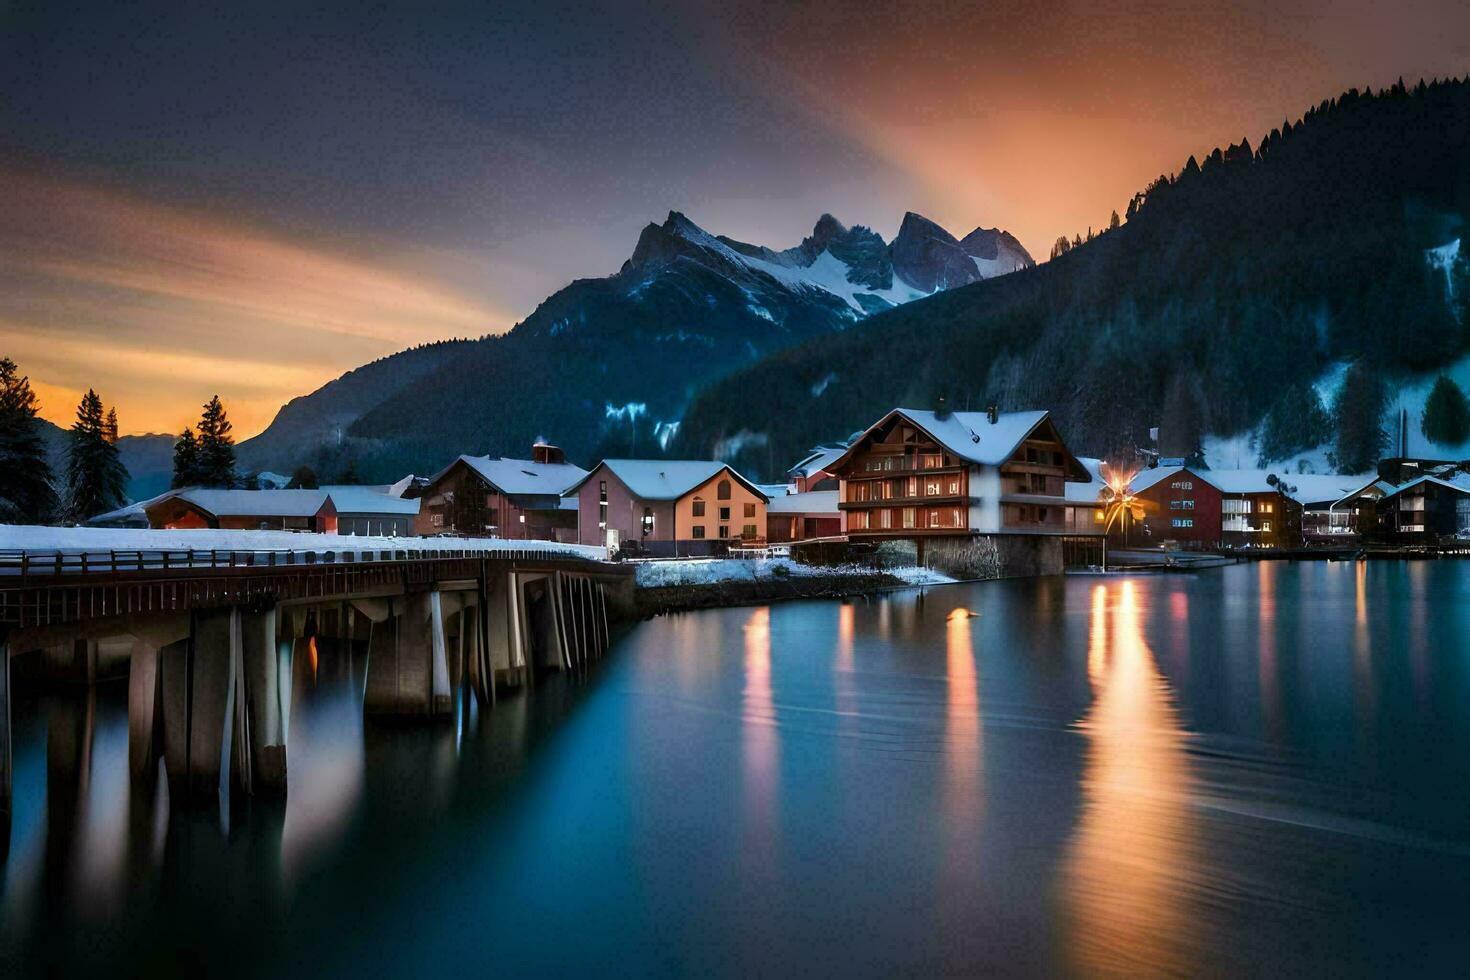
[95,479]
[206,458]
[1223,294]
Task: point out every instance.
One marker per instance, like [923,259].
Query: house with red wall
[1200,508]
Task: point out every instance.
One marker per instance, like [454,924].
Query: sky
[249,202]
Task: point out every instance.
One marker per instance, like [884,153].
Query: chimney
[942,411]
[543,453]
[992,412]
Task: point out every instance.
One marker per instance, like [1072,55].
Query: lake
[1260,768]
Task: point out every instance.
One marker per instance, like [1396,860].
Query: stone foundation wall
[992,556]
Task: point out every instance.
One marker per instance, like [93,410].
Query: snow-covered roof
[369,500]
[1458,481]
[1078,492]
[774,490]
[1144,479]
[667,479]
[521,477]
[131,514]
[811,502]
[969,435]
[1309,487]
[256,503]
[1323,488]
[817,461]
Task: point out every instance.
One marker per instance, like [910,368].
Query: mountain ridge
[629,350]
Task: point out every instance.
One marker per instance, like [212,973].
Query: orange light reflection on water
[1137,828]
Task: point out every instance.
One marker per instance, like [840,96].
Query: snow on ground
[17,537]
[708,571]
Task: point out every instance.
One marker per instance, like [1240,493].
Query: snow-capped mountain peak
[853,264]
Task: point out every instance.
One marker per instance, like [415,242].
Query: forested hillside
[607,366]
[1228,288]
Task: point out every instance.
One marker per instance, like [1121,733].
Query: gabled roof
[521,477]
[1323,488]
[1144,479]
[369,500]
[969,435]
[1459,482]
[667,479]
[255,503]
[811,502]
[132,512]
[1309,487]
[817,461]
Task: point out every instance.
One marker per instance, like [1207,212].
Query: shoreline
[650,601]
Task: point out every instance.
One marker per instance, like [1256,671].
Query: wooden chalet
[919,473]
[480,496]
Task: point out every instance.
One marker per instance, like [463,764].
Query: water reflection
[1132,849]
[963,756]
[814,789]
[760,741]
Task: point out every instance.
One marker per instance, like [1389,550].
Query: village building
[803,516]
[373,510]
[1427,510]
[245,510]
[1337,511]
[1200,508]
[668,507]
[1085,513]
[480,496]
[812,473]
[918,472]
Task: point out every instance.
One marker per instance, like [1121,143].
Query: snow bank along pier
[208,638]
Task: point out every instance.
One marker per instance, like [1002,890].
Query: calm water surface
[1256,769]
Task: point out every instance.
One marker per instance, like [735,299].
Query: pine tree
[186,460]
[1182,427]
[303,479]
[1361,438]
[109,427]
[216,446]
[96,480]
[26,494]
[1296,422]
[1446,414]
[1114,221]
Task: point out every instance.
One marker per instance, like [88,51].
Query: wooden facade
[899,480]
[461,501]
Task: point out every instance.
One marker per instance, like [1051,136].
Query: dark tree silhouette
[96,480]
[1446,414]
[1361,438]
[216,446]
[26,494]
[1295,423]
[186,461]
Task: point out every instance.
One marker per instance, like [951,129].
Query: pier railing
[26,565]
